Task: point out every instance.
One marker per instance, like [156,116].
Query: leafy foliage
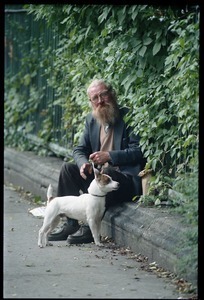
[155,72]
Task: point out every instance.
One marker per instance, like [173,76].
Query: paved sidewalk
[62,271]
[153,232]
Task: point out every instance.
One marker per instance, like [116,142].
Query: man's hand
[100,157]
[86,169]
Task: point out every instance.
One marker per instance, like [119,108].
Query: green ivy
[154,69]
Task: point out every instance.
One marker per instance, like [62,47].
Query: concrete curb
[150,231]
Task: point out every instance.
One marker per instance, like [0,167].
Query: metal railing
[22,35]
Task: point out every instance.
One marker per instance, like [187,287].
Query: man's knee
[68,168]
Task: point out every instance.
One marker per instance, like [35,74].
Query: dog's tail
[49,193]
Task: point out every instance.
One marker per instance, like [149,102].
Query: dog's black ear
[96,172]
[96,169]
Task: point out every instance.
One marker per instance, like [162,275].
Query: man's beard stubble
[107,113]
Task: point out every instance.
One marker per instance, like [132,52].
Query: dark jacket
[126,155]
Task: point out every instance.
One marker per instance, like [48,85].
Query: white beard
[108,113]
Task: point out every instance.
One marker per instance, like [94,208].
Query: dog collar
[97,195]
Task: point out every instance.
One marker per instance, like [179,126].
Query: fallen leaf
[30,265]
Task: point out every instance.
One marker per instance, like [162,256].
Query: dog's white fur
[88,208]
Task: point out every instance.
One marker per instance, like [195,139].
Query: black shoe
[82,236]
[62,233]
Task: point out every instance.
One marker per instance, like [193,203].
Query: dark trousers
[71,182]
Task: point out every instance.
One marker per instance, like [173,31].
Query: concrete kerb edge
[126,225]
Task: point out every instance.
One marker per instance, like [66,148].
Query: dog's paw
[99,244]
[49,244]
[40,246]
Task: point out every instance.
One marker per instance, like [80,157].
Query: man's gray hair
[102,81]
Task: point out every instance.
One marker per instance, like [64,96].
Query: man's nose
[100,99]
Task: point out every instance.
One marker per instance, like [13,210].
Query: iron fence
[22,35]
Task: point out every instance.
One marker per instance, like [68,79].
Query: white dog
[86,207]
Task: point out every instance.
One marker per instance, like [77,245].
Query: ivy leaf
[128,81]
[147,41]
[139,73]
[156,48]
[65,20]
[135,42]
[27,79]
[134,12]
[154,162]
[104,15]
[142,51]
[121,15]
[158,33]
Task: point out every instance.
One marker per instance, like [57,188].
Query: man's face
[99,95]
[104,105]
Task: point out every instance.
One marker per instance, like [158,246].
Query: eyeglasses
[103,95]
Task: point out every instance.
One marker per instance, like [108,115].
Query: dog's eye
[105,179]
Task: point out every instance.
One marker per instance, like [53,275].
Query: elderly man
[108,142]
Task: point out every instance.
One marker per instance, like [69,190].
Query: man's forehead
[97,88]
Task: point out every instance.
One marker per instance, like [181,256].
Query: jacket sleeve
[82,151]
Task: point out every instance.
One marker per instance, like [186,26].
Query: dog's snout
[117,185]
